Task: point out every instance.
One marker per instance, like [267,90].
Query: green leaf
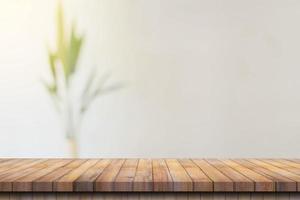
[61,41]
[60,26]
[73,51]
[52,59]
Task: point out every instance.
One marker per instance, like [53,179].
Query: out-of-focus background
[205,78]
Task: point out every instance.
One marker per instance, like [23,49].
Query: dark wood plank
[181,180]
[85,183]
[201,182]
[161,176]
[221,182]
[143,178]
[105,182]
[241,182]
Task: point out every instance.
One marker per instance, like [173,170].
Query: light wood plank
[161,176]
[45,183]
[6,181]
[282,183]
[105,182]
[85,182]
[285,164]
[241,182]
[143,178]
[65,183]
[24,184]
[221,182]
[278,170]
[261,182]
[201,182]
[181,180]
[125,178]
[14,166]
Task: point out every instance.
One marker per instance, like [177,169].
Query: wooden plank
[285,164]
[3,161]
[289,162]
[241,182]
[221,182]
[125,178]
[278,170]
[24,184]
[161,176]
[65,183]
[282,183]
[143,178]
[262,184]
[6,180]
[146,175]
[201,182]
[85,182]
[13,166]
[105,182]
[181,180]
[45,183]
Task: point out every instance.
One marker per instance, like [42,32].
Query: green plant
[63,63]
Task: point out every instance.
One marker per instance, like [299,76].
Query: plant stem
[70,125]
[73,147]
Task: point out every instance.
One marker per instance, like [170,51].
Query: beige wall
[207,78]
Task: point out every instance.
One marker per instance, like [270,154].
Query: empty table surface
[149,175]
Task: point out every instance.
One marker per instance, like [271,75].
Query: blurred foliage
[66,53]
[63,65]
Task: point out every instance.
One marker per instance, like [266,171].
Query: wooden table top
[150,175]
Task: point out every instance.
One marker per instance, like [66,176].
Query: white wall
[207,78]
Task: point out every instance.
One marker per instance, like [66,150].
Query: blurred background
[205,78]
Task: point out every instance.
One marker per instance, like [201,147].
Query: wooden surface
[149,196]
[149,175]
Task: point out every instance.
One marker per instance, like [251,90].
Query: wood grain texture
[105,182]
[45,183]
[282,183]
[181,179]
[162,180]
[143,180]
[125,177]
[65,183]
[220,181]
[241,182]
[149,196]
[85,183]
[262,183]
[201,182]
[150,175]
